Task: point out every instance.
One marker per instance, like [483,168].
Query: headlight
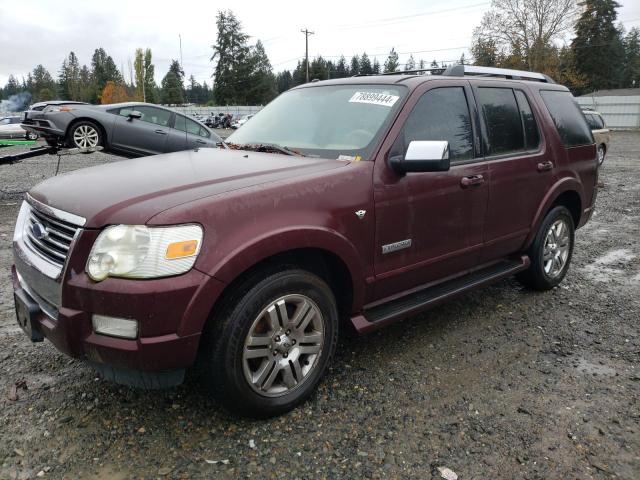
[137,251]
[57,108]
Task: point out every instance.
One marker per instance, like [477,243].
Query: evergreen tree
[262,84]
[354,69]
[631,70]
[485,52]
[86,85]
[41,84]
[233,62]
[411,63]
[434,64]
[284,81]
[597,47]
[69,85]
[392,64]
[150,87]
[342,70]
[422,64]
[365,65]
[172,91]
[103,69]
[376,66]
[12,87]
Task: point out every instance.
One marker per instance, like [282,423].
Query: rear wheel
[270,343]
[601,153]
[551,251]
[31,136]
[84,134]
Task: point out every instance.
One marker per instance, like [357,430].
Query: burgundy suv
[355,201]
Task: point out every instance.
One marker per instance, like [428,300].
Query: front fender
[244,256]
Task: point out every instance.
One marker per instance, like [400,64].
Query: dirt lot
[503,383]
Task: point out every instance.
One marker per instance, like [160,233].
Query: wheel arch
[326,254]
[76,120]
[566,192]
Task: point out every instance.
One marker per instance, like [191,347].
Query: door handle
[471,180]
[201,142]
[545,166]
[160,132]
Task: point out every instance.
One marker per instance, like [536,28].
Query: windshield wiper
[265,147]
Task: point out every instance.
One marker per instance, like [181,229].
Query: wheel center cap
[283,344]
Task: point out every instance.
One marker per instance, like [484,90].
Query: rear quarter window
[567,117]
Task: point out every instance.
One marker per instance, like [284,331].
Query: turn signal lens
[187,248]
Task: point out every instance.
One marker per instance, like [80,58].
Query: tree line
[525,35]
[519,34]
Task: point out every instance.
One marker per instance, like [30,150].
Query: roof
[617,92]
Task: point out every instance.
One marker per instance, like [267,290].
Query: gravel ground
[502,383]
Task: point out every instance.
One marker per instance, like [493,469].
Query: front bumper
[71,332]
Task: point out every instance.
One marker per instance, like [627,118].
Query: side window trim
[484,131]
[471,109]
[535,119]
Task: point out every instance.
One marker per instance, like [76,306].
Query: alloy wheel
[556,248]
[283,345]
[600,155]
[85,136]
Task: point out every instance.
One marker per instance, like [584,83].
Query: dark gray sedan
[132,129]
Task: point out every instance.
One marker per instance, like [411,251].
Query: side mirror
[423,156]
[134,114]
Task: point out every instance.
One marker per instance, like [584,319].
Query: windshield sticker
[374,98]
[348,158]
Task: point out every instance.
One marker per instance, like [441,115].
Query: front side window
[157,116]
[442,114]
[567,117]
[502,118]
[330,121]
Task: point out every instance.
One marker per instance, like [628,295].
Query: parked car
[345,203]
[601,132]
[131,129]
[241,121]
[10,129]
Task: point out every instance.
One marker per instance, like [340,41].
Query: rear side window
[442,114]
[502,117]
[157,116]
[598,121]
[569,120]
[531,134]
[186,125]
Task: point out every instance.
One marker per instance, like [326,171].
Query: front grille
[48,236]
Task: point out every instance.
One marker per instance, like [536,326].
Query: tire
[550,252]
[290,352]
[31,136]
[85,134]
[601,153]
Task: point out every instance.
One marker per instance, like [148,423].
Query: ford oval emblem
[39,231]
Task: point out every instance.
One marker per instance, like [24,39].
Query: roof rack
[462,70]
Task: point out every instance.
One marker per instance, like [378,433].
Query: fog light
[115,327]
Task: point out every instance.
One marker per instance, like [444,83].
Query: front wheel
[269,347]
[84,134]
[551,251]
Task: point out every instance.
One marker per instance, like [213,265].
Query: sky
[47,31]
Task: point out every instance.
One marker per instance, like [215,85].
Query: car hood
[133,191]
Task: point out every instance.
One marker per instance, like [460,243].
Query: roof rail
[462,70]
[404,72]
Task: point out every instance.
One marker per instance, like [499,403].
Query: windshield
[334,121]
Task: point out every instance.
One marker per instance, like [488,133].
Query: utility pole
[306,49]
[180,37]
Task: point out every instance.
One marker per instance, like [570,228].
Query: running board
[400,308]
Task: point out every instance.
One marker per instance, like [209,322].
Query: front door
[429,226]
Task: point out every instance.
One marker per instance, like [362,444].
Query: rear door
[520,166]
[142,136]
[187,134]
